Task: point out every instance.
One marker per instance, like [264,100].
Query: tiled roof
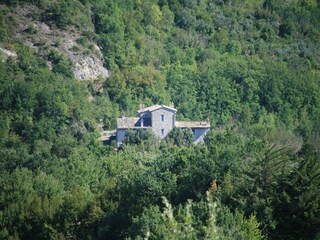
[201,124]
[127,122]
[155,107]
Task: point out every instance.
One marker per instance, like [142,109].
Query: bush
[180,137]
[140,136]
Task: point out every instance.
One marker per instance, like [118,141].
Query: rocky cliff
[84,54]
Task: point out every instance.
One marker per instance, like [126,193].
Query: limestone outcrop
[86,58]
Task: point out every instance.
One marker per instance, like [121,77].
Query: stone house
[161,119]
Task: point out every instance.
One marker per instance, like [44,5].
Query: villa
[161,119]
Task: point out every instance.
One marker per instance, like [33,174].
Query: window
[162,117]
[162,131]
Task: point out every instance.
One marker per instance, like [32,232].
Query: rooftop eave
[124,128]
[155,107]
[192,125]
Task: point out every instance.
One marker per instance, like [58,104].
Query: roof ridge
[155,107]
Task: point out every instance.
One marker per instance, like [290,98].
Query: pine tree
[297,206]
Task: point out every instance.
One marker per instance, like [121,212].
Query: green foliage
[251,67]
[296,204]
[63,67]
[180,137]
[180,223]
[143,137]
[67,12]
[236,226]
[3,26]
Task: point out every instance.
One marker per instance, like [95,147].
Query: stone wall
[162,122]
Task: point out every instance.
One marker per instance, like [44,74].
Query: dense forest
[250,66]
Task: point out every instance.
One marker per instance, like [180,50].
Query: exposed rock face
[7,53]
[87,60]
[89,67]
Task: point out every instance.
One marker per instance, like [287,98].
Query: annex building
[161,119]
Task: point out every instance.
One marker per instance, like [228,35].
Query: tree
[296,206]
[180,137]
[144,137]
[234,225]
[188,221]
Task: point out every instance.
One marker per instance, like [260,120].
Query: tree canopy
[251,67]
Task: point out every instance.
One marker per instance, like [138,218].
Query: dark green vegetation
[252,67]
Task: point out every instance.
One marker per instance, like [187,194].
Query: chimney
[141,106]
[171,104]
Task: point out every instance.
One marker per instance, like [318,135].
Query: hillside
[49,42]
[68,68]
